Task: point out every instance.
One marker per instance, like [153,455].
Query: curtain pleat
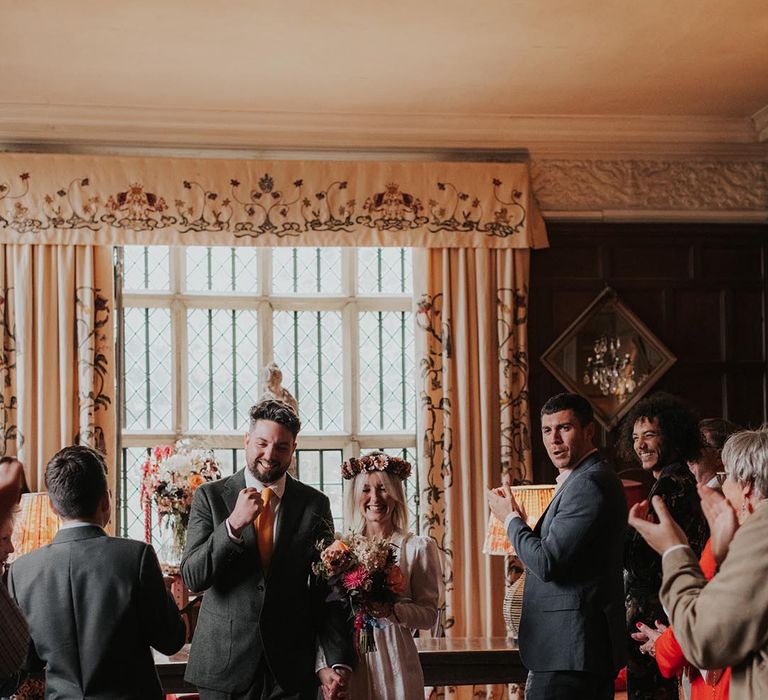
[58,364]
[472,345]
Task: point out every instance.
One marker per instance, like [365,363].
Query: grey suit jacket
[573,615]
[95,605]
[248,616]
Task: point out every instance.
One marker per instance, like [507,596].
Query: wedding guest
[714,433]
[723,622]
[14,640]
[375,506]
[250,546]
[662,433]
[95,604]
[572,624]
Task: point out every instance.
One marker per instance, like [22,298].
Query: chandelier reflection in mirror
[610,370]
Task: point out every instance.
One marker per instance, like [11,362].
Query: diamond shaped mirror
[609,356]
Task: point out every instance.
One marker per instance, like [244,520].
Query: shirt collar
[278,488]
[78,523]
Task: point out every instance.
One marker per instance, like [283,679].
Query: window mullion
[179,340]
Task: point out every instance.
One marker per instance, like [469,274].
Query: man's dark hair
[278,412]
[719,431]
[678,423]
[570,402]
[76,480]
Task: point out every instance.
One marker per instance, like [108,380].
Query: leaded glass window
[199,322]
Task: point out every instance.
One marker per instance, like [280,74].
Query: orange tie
[265,525]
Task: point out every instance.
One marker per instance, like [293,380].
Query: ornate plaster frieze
[658,185]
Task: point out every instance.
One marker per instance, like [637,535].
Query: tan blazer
[724,622]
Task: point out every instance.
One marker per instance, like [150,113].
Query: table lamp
[534,499]
[35,525]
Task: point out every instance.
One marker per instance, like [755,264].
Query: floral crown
[376,462]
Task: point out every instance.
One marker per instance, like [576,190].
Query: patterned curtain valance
[105,200]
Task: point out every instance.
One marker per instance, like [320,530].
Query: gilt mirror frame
[636,358]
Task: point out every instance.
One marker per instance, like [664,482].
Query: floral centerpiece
[170,477]
[362,571]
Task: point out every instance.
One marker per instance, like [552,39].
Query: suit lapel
[577,473]
[291,509]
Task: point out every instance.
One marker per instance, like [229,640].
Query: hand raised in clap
[502,503]
[722,520]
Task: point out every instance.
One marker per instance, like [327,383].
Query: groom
[250,546]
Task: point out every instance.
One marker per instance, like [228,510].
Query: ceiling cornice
[254,134]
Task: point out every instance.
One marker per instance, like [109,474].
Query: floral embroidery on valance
[176,201]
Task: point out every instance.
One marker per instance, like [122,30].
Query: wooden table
[454,661]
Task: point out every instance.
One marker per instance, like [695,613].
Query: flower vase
[178,539]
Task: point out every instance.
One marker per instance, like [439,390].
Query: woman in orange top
[661,643]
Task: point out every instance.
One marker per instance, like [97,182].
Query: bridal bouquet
[170,477]
[362,571]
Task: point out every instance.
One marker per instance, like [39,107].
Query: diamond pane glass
[147,351]
[223,363]
[387,388]
[308,348]
[131,513]
[321,469]
[222,269]
[306,271]
[384,271]
[145,268]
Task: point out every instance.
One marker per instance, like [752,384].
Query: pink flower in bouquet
[355,579]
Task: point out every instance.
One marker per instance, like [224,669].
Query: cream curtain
[472,315]
[58,361]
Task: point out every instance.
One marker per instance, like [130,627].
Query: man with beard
[663,434]
[250,546]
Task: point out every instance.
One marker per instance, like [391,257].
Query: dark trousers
[568,685]
[265,687]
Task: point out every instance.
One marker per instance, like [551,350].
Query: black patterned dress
[642,579]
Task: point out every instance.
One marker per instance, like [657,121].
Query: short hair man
[95,604]
[662,433]
[572,625]
[714,433]
[250,546]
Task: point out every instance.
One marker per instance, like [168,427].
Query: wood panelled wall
[702,289]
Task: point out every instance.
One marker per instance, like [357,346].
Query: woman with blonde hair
[375,506]
[722,622]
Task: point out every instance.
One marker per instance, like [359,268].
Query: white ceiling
[498,74]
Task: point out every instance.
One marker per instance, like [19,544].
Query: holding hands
[660,532]
[334,682]
[248,506]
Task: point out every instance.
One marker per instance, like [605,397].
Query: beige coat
[725,622]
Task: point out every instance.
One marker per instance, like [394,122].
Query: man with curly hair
[663,434]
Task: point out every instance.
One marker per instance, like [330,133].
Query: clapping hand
[722,521]
[10,486]
[503,503]
[647,637]
[659,535]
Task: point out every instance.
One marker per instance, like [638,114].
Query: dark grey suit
[95,605]
[573,603]
[248,619]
